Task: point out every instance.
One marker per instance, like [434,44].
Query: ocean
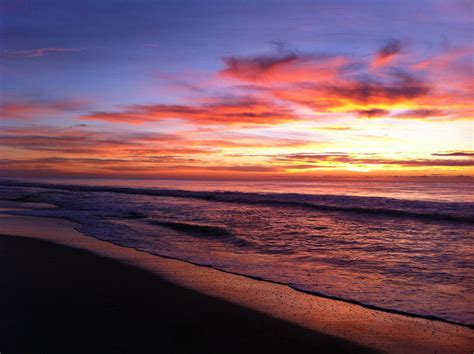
[400,245]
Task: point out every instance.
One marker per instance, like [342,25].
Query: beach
[66,292]
[236,176]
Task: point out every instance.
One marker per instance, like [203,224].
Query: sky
[251,89]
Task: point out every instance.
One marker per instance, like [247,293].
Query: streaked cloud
[226,111]
[387,54]
[25,109]
[370,159]
[455,154]
[282,68]
[37,52]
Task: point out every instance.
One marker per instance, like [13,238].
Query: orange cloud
[444,61]
[286,68]
[358,159]
[372,113]
[82,143]
[295,87]
[386,54]
[247,110]
[422,113]
[335,84]
[77,141]
[369,98]
[24,109]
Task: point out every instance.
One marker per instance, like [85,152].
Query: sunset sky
[236,88]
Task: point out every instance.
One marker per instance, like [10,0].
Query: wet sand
[65,292]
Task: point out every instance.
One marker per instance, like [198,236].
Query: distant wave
[440,211]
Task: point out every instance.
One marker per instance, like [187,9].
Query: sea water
[399,245]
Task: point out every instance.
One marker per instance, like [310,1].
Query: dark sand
[57,299]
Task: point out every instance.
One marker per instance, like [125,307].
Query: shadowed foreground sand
[57,299]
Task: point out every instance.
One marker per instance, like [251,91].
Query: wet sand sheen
[185,309]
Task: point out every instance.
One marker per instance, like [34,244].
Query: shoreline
[380,330]
[59,299]
[28,205]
